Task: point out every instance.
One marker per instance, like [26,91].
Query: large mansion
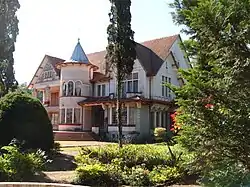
[78,96]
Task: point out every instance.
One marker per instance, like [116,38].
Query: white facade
[80,104]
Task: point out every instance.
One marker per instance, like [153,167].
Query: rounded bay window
[72,88]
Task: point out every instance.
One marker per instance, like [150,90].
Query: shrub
[161,174]
[24,118]
[137,165]
[18,166]
[97,174]
[160,134]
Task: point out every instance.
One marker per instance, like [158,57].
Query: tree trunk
[118,108]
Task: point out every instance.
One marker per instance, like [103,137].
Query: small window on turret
[78,88]
[70,88]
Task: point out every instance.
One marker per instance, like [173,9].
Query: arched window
[64,89]
[70,88]
[78,88]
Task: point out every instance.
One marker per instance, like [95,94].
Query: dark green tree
[24,118]
[215,102]
[8,33]
[121,49]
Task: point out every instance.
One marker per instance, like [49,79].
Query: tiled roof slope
[151,54]
[54,61]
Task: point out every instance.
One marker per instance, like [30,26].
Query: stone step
[74,136]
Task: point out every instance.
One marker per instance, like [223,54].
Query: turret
[76,74]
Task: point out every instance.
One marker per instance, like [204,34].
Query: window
[114,121]
[77,112]
[64,89]
[70,88]
[47,74]
[123,118]
[132,116]
[76,119]
[62,116]
[131,83]
[164,89]
[54,118]
[40,95]
[101,90]
[78,88]
[69,115]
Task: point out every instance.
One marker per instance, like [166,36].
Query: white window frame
[72,117]
[102,86]
[131,80]
[165,91]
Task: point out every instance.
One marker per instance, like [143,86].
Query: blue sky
[53,26]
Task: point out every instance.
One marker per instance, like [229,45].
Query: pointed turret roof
[78,54]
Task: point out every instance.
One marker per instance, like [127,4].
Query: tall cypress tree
[215,101]
[121,49]
[8,33]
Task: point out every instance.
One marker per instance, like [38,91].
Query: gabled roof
[49,59]
[151,54]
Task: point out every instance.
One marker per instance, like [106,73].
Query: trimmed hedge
[24,118]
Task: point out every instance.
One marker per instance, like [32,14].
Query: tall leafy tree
[121,49]
[215,103]
[8,34]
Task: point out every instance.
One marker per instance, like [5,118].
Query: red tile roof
[150,61]
[161,46]
[151,55]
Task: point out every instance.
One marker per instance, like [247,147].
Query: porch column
[44,96]
[160,120]
[65,116]
[155,120]
[83,117]
[164,119]
[73,115]
[128,115]
[110,114]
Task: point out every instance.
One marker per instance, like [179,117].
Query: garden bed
[134,165]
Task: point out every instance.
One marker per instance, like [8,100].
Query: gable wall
[167,71]
[179,54]
[143,81]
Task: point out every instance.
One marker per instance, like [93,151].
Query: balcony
[51,107]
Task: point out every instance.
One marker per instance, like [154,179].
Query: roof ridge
[175,35]
[46,55]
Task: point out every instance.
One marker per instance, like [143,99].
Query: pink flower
[209,106]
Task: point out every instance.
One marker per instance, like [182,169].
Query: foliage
[134,165]
[19,166]
[8,33]
[24,118]
[161,174]
[160,134]
[215,101]
[121,49]
[23,88]
[137,176]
